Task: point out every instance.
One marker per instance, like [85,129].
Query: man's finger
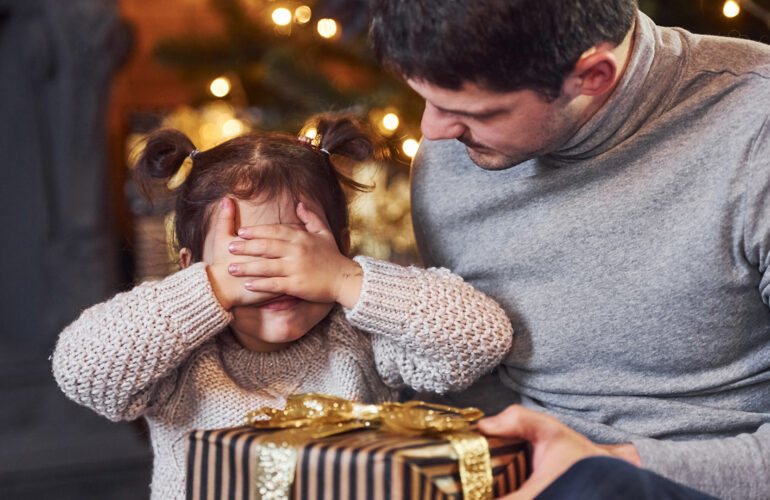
[517,421]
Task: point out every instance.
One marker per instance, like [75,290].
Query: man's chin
[491,160]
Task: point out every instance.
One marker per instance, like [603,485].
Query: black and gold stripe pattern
[371,465]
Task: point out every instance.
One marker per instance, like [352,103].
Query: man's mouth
[471,144]
[279,303]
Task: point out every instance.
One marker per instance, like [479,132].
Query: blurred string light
[310,133]
[220,87]
[232,128]
[302,14]
[410,147]
[282,16]
[390,121]
[327,28]
[731,9]
[753,8]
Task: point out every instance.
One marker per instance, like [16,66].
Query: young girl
[262,226]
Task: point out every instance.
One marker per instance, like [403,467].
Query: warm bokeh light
[390,121]
[310,133]
[731,8]
[410,147]
[209,133]
[232,127]
[282,16]
[327,28]
[220,87]
[302,14]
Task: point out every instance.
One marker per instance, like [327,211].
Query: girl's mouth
[280,303]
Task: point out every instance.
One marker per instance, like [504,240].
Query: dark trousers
[599,478]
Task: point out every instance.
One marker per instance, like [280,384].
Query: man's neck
[623,52]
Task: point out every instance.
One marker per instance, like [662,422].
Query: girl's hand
[300,261]
[229,290]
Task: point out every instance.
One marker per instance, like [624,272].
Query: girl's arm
[432,330]
[112,358]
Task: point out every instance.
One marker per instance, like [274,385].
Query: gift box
[363,463]
[354,465]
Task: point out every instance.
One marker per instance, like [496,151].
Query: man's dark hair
[500,45]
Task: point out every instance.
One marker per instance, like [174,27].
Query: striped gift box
[356,465]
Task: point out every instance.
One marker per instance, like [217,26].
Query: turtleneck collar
[630,104]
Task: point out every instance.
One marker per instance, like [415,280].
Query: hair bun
[345,135]
[164,152]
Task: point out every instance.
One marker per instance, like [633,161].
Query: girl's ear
[185,258]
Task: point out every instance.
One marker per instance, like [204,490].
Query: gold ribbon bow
[314,416]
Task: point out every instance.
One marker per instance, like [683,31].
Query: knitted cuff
[388,292]
[187,297]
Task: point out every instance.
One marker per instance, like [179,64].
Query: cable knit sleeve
[113,357]
[431,330]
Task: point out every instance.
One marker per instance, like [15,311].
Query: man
[608,182]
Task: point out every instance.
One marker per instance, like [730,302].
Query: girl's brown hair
[261,165]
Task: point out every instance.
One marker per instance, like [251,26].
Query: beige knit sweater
[163,351]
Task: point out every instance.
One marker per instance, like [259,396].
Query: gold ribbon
[313,416]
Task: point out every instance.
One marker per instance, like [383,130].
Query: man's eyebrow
[485,113]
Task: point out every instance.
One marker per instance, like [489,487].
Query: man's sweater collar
[637,96]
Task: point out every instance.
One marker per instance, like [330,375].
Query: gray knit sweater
[633,262]
[162,351]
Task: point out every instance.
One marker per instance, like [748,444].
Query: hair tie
[193,154]
[322,150]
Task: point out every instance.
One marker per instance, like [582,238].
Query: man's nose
[437,125]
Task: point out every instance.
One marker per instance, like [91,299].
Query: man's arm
[721,467]
[556,448]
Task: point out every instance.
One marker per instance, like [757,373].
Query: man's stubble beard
[559,128]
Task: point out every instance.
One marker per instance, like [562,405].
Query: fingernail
[234,247]
[233,269]
[241,232]
[249,285]
[224,202]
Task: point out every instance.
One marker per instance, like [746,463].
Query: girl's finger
[258,268]
[249,297]
[224,224]
[271,231]
[270,285]
[261,247]
[313,222]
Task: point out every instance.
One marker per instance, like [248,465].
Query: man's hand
[304,262]
[229,290]
[555,447]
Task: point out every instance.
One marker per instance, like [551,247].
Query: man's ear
[185,258]
[594,73]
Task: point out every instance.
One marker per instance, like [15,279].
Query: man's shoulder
[443,150]
[443,154]
[728,55]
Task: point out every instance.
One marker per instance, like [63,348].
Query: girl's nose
[438,125]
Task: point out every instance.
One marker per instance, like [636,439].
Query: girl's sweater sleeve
[430,329]
[113,357]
